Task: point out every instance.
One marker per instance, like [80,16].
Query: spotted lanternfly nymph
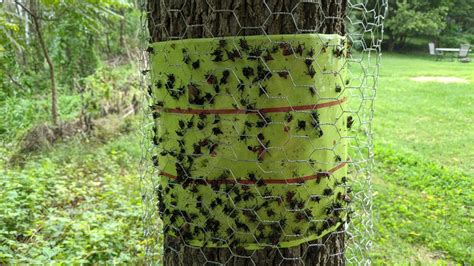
[196,64]
[301,125]
[232,55]
[312,90]
[150,50]
[283,74]
[159,84]
[350,121]
[244,45]
[150,91]
[338,88]
[247,72]
[300,49]
[254,54]
[217,131]
[311,71]
[222,43]
[155,160]
[338,51]
[217,55]
[267,57]
[186,58]
[225,76]
[327,192]
[210,78]
[217,88]
[201,125]
[286,49]
[170,82]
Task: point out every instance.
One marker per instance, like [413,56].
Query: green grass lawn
[423,180]
[79,202]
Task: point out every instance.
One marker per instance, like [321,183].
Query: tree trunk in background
[54,92]
[166,22]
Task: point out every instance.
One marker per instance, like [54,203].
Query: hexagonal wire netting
[257,133]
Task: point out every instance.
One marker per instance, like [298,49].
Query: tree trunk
[54,97]
[174,19]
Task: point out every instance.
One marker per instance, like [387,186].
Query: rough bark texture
[175,19]
[326,251]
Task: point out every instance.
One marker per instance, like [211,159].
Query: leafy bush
[64,207]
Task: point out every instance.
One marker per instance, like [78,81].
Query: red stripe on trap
[296,180]
[257,111]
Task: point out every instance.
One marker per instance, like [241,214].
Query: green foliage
[78,35]
[460,26]
[109,89]
[64,207]
[20,113]
[414,18]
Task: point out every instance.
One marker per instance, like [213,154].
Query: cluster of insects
[226,218]
[222,209]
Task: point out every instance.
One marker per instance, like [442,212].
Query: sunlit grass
[423,180]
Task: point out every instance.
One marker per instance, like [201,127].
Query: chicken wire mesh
[257,133]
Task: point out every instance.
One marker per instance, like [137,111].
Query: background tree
[459,24]
[424,18]
[67,35]
[166,22]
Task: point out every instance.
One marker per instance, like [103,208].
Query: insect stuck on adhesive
[350,121]
[301,125]
[222,43]
[254,53]
[244,45]
[186,58]
[286,49]
[247,72]
[327,192]
[150,50]
[196,64]
[283,74]
[232,55]
[211,79]
[267,57]
[225,76]
[299,49]
[159,84]
[338,51]
[311,72]
[218,55]
[170,81]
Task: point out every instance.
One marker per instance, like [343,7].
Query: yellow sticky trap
[249,131]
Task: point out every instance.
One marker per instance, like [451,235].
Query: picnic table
[454,50]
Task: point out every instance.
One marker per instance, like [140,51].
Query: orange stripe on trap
[296,180]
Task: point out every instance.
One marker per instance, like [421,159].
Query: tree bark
[173,19]
[180,19]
